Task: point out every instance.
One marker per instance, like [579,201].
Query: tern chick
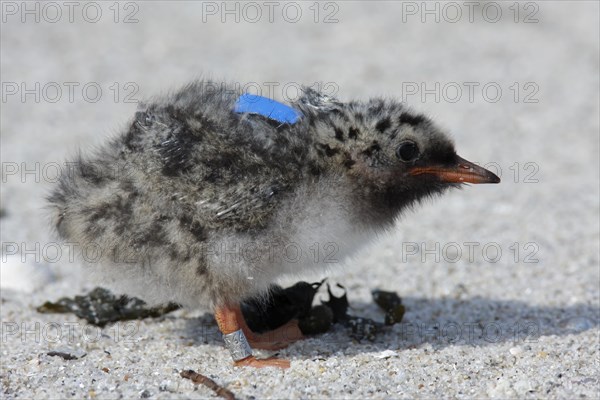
[211,194]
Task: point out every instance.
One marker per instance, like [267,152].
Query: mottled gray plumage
[196,204]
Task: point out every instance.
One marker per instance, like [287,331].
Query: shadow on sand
[439,323]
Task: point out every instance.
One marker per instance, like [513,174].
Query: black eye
[407,151]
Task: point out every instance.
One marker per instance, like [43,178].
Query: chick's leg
[227,320]
[273,340]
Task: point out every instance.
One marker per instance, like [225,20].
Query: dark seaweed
[100,307]
[296,302]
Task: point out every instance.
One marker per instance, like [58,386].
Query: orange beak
[463,172]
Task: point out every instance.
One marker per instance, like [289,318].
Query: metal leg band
[238,345]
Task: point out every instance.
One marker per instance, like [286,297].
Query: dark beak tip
[494,178]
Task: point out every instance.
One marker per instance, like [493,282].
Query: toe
[263,362]
[278,338]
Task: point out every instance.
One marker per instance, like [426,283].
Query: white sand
[508,328]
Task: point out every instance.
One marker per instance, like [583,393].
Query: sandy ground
[501,282]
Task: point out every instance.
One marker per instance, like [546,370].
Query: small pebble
[386,354]
[515,351]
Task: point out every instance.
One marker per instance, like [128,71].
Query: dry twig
[206,381]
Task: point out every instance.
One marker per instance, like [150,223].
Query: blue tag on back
[253,104]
